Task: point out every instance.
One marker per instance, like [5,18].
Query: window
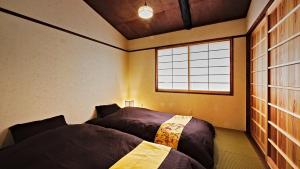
[195,68]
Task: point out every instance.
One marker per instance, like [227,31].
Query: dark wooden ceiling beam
[185,13]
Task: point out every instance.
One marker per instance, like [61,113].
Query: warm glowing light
[145,12]
[129,103]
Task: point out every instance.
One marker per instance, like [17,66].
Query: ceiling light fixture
[145,12]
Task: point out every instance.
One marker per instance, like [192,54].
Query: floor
[233,150]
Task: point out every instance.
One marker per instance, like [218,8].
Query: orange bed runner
[170,131]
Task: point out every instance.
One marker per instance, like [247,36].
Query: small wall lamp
[129,103]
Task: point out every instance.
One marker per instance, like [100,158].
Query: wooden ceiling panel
[212,11]
[122,14]
[170,23]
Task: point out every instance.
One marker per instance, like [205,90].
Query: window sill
[228,93]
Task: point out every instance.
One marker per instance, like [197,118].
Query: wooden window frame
[231,81]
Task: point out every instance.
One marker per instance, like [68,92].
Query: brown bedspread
[80,147]
[197,138]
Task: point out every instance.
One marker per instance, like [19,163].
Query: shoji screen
[259,82]
[284,84]
[275,85]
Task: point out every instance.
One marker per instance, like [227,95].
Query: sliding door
[284,84]
[275,85]
[259,82]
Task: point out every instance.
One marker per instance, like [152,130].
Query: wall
[76,16]
[230,28]
[220,110]
[254,11]
[45,72]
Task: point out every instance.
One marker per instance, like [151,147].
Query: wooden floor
[233,150]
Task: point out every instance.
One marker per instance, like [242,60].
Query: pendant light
[145,12]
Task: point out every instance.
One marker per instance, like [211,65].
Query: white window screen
[197,67]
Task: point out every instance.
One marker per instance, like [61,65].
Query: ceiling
[169,15]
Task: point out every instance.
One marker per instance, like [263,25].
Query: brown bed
[81,146]
[197,138]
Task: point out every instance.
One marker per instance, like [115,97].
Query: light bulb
[145,12]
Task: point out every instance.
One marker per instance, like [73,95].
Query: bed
[81,146]
[196,140]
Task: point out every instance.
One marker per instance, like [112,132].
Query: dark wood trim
[185,13]
[156,67]
[189,68]
[98,41]
[231,67]
[187,43]
[58,28]
[184,29]
[230,93]
[260,17]
[195,92]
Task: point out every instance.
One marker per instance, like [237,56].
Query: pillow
[23,131]
[105,110]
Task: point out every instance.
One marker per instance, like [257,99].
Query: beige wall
[254,11]
[224,29]
[74,15]
[220,110]
[45,72]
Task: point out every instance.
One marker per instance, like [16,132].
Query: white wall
[74,15]
[46,72]
[254,11]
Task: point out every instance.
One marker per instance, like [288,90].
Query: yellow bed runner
[170,131]
[146,155]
